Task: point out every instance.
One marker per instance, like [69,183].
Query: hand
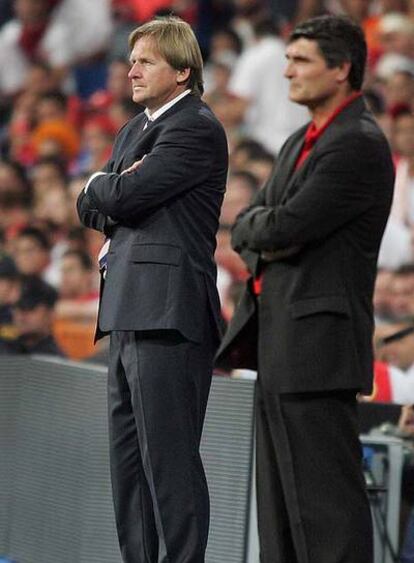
[137,164]
[406,422]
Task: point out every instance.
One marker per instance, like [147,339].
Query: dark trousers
[312,502]
[158,386]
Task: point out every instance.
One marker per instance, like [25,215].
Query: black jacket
[161,272]
[326,220]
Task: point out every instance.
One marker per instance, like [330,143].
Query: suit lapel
[285,170]
[129,148]
[138,141]
[354,109]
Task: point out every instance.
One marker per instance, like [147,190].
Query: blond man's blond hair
[177,44]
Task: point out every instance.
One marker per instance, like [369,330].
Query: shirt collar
[165,107]
[313,134]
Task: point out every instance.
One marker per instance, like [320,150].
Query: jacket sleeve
[341,186]
[238,235]
[88,213]
[180,160]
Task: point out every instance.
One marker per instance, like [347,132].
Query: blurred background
[64,94]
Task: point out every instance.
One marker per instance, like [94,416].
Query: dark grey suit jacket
[313,330]
[161,272]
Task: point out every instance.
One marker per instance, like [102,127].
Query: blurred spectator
[31,250]
[57,139]
[14,180]
[402,292]
[78,295]
[394,366]
[358,10]
[376,103]
[6,11]
[396,245]
[261,166]
[54,135]
[118,87]
[395,345]
[382,296]
[52,106]
[40,79]
[309,9]
[396,34]
[97,138]
[399,88]
[241,187]
[291,12]
[218,96]
[10,282]
[262,93]
[225,48]
[403,143]
[244,152]
[247,14]
[15,195]
[46,29]
[250,155]
[16,140]
[225,40]
[122,111]
[77,238]
[140,10]
[33,320]
[391,63]
[53,206]
[48,173]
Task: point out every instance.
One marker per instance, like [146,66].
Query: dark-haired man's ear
[344,70]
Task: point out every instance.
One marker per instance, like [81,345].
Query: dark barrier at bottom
[55,499]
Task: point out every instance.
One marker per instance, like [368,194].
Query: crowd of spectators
[64,93]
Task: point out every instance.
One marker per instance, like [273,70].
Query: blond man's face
[154,82]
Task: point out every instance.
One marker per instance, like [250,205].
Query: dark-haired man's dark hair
[340,40]
[84,259]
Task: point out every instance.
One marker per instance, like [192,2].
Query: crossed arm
[334,193]
[180,160]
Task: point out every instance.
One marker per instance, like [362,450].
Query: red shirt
[311,136]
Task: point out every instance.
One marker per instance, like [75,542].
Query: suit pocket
[337,304]
[156,254]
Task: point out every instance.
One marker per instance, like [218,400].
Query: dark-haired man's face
[312,83]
